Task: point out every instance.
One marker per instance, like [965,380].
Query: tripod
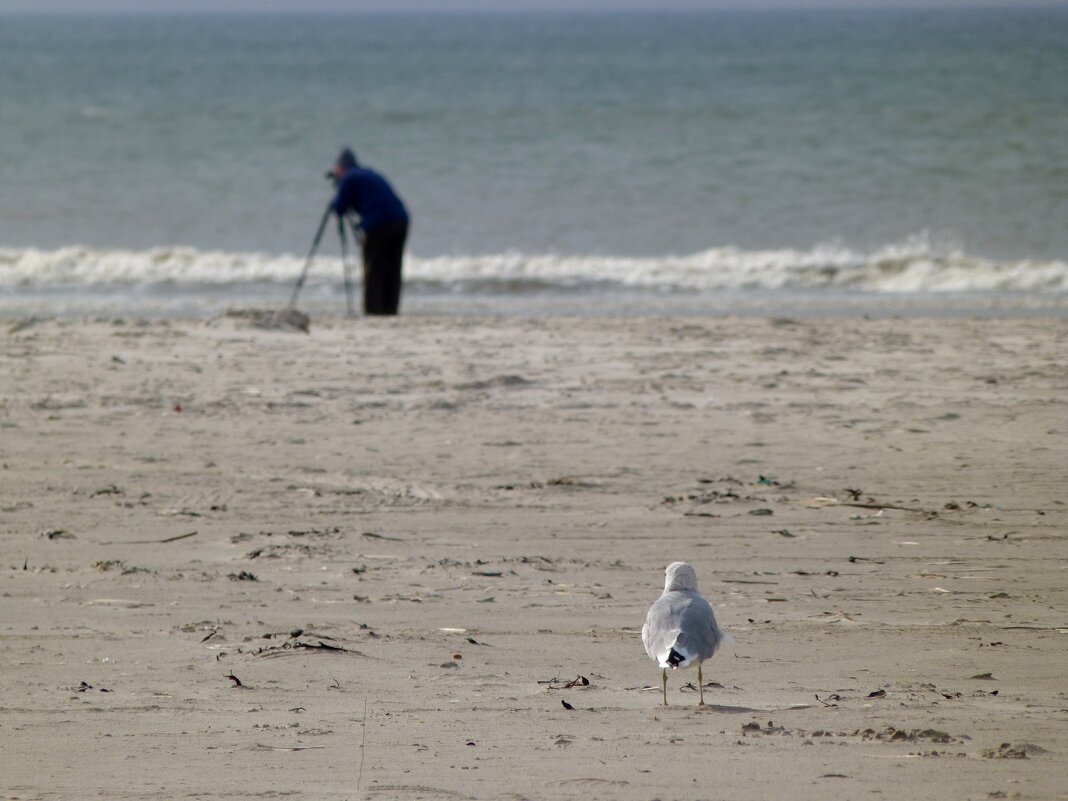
[345,267]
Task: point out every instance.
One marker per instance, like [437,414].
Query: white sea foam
[73,266]
[914,266]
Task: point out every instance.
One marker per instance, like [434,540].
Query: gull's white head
[680,576]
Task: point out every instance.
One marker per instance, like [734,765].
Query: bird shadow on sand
[730,709]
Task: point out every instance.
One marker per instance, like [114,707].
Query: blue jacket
[368,194]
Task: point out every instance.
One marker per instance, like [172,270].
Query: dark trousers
[383,252]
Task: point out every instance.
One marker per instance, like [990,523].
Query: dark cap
[346,159]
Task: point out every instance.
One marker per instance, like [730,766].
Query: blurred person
[383,220]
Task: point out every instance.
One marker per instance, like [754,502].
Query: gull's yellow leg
[663,676]
[700,685]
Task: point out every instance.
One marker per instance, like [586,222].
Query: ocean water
[703,163]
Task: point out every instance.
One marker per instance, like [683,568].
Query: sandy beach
[411,558]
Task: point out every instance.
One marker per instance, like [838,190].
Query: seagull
[680,628]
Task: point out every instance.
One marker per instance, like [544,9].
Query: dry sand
[406,537]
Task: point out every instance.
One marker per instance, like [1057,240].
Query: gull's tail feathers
[677,655]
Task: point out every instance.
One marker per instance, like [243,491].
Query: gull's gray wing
[682,621]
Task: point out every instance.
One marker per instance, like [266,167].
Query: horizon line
[947,5]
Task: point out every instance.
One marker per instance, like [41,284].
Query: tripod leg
[311,255]
[345,265]
[358,245]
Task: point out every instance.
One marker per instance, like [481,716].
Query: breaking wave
[914,266]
